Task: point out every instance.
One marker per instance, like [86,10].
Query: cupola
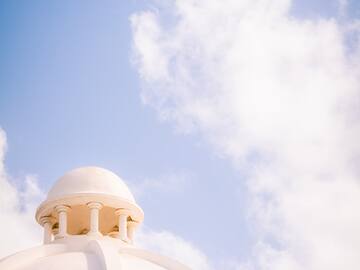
[89,201]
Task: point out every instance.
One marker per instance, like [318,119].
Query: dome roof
[90,180]
[81,186]
[89,218]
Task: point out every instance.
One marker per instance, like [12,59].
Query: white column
[123,215]
[94,218]
[62,213]
[131,226]
[46,222]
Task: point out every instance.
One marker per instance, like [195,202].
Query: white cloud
[17,210]
[277,95]
[168,244]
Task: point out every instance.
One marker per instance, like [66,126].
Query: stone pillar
[62,211]
[94,218]
[123,215]
[131,226]
[47,222]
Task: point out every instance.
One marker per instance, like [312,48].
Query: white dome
[81,186]
[88,180]
[89,218]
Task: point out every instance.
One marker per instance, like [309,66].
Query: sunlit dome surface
[87,180]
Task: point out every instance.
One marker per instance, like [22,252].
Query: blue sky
[69,97]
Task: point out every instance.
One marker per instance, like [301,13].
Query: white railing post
[123,216]
[62,211]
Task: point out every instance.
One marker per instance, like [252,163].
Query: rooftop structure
[89,219]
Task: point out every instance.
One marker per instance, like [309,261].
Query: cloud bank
[17,210]
[279,97]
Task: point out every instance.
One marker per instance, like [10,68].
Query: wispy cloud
[173,182]
[255,81]
[342,7]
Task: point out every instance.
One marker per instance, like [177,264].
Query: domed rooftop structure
[89,218]
[80,187]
